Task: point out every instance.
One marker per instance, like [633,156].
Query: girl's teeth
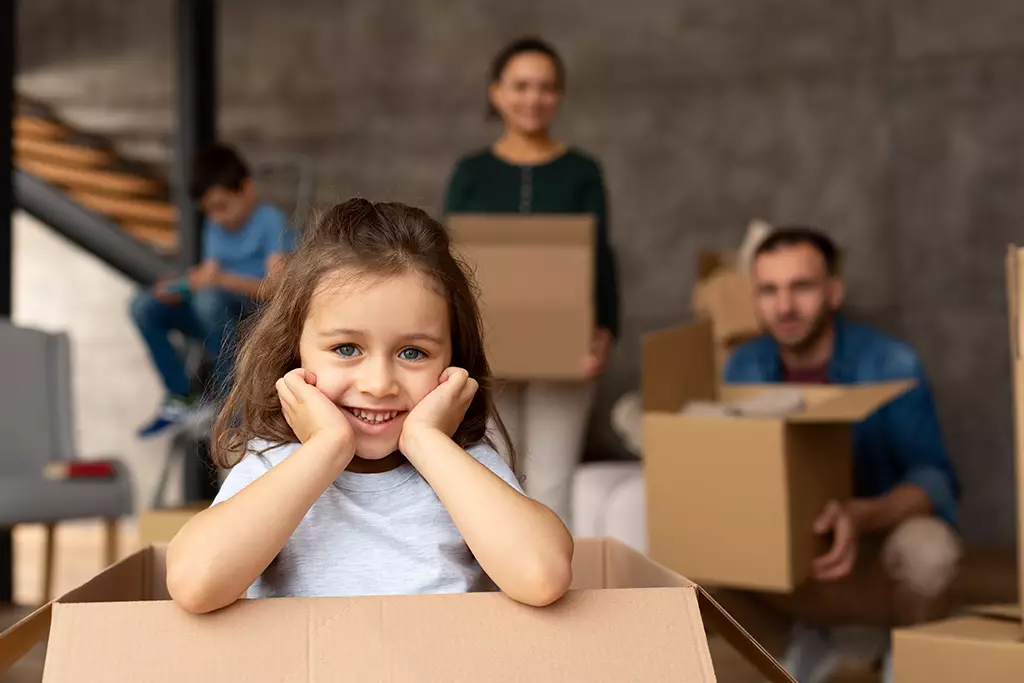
[375,418]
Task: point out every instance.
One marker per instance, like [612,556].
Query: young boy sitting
[243,241]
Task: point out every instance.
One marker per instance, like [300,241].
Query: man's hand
[840,559]
[600,352]
[204,276]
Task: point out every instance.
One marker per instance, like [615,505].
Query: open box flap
[1003,612]
[623,567]
[137,577]
[853,403]
[751,650]
[546,229]
[17,640]
[678,367]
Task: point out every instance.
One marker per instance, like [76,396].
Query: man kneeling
[894,552]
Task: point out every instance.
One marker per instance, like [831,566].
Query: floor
[78,558]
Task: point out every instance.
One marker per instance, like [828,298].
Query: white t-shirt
[369,534]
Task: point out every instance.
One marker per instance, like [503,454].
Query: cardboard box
[731,501]
[725,295]
[536,280]
[160,526]
[987,644]
[628,619]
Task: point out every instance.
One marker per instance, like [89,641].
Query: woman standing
[528,171]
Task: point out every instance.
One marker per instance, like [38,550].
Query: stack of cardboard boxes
[985,643]
[723,294]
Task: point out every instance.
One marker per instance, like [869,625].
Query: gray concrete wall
[896,126]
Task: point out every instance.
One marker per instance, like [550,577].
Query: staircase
[79,185]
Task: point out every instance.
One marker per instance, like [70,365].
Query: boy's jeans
[209,316]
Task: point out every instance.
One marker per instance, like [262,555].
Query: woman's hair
[359,239]
[516,48]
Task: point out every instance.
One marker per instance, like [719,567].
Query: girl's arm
[214,559]
[220,552]
[522,545]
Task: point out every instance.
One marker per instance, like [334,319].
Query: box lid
[850,403]
[549,229]
[650,631]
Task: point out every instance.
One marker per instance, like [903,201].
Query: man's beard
[818,329]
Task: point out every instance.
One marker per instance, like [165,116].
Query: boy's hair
[514,49]
[792,235]
[217,166]
[362,239]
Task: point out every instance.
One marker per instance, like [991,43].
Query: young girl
[357,429]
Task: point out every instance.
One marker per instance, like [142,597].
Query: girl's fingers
[284,392]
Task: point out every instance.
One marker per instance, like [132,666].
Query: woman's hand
[600,352]
[441,410]
[310,413]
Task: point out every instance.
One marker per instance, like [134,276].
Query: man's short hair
[217,166]
[793,235]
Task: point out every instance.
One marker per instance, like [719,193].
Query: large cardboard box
[160,525]
[536,279]
[628,619]
[987,644]
[731,500]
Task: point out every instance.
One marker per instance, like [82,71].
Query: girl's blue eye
[347,350]
[411,354]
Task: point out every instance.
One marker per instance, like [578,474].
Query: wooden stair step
[127,209]
[162,238]
[39,128]
[63,152]
[110,182]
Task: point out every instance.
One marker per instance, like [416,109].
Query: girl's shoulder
[260,457]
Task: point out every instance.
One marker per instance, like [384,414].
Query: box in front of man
[732,498]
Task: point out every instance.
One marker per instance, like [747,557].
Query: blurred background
[894,126]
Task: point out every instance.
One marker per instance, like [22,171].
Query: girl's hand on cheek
[442,410]
[310,413]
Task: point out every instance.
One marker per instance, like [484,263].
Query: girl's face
[377,346]
[528,94]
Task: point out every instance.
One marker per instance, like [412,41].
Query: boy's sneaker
[173,411]
[811,656]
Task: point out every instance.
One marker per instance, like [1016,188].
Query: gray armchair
[36,429]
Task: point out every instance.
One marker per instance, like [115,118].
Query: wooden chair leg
[48,562]
[110,549]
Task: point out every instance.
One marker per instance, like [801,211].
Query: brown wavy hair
[359,238]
